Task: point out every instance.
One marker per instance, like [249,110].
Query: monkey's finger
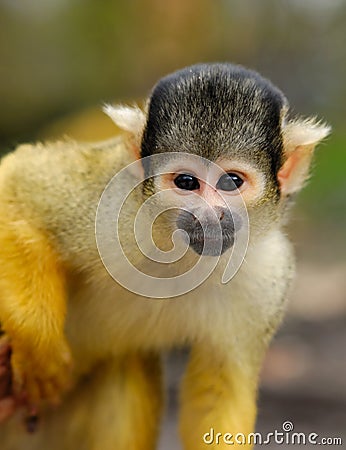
[31,419]
[31,423]
[7,408]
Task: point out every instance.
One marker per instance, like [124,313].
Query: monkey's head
[227,141]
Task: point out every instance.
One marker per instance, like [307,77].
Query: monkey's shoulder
[55,189]
[56,172]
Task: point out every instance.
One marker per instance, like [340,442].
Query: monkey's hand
[42,372]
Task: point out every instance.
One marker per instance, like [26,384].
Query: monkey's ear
[300,139]
[130,119]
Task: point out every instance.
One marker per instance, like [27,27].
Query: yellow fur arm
[32,310]
[218,399]
[129,392]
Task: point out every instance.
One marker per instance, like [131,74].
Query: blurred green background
[61,59]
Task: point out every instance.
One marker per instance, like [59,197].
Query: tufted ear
[300,139]
[130,119]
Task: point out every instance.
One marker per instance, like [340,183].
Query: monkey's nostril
[221,215]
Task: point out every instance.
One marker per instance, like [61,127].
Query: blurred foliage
[325,196]
[91,124]
[319,225]
[58,57]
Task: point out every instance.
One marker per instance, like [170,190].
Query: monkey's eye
[229,182]
[186,182]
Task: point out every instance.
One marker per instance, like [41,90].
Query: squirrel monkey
[83,342]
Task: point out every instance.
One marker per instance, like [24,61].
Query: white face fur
[219,182]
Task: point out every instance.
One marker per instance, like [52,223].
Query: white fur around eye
[254,180]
